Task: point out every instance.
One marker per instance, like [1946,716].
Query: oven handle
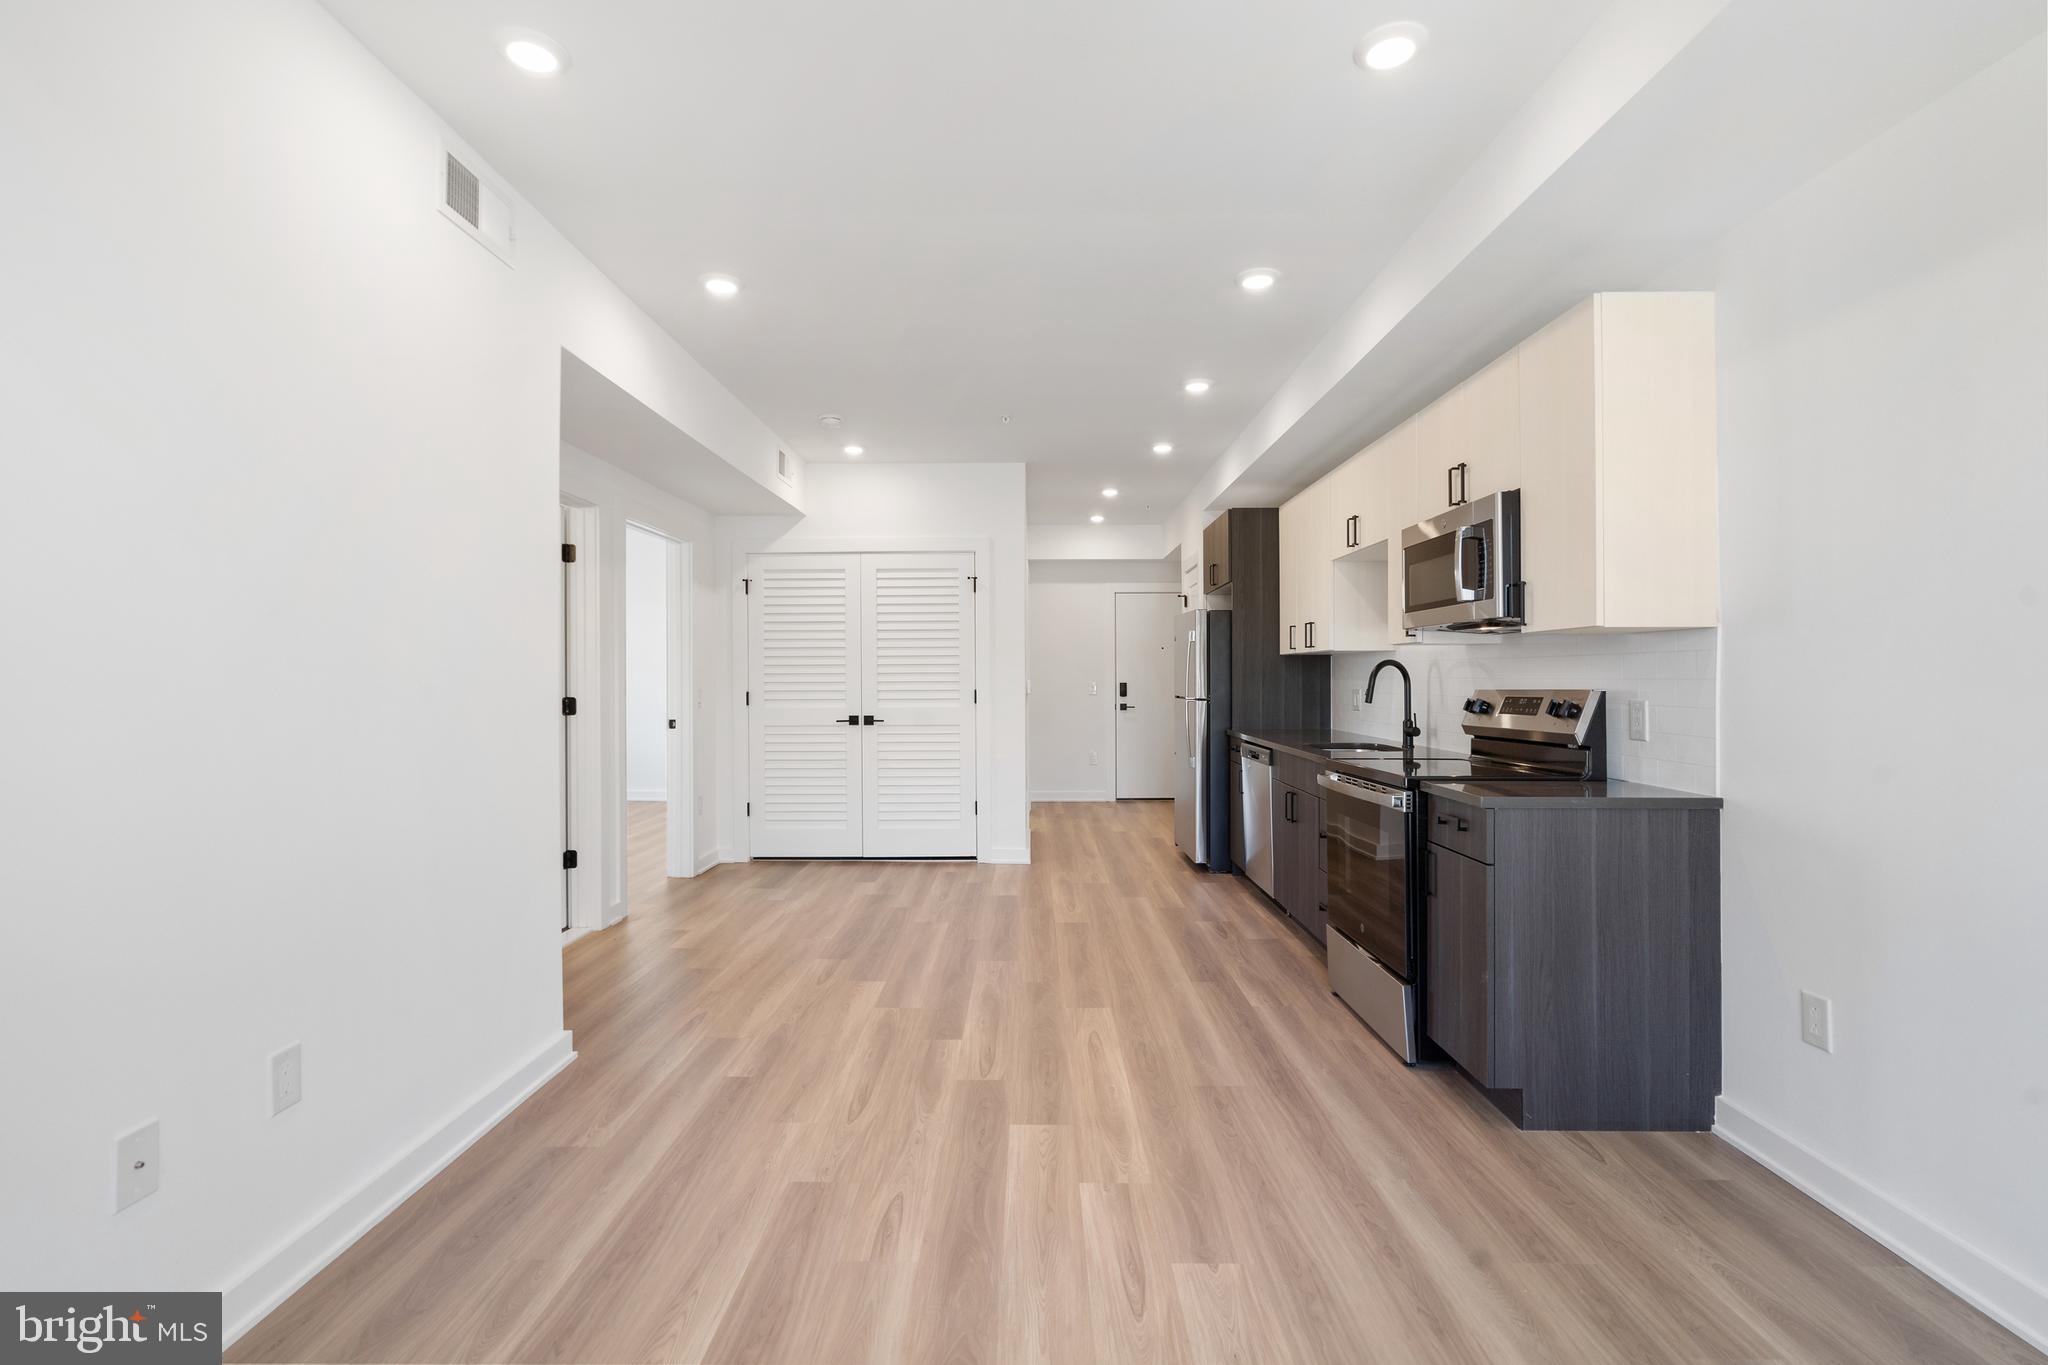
[1378,796]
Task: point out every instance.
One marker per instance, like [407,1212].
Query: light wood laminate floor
[1101,1108]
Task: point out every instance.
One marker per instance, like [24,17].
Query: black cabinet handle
[1309,633]
[1290,637]
[1287,808]
[1450,486]
[1212,575]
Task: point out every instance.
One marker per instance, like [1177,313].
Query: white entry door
[804,705]
[917,631]
[1145,652]
[861,733]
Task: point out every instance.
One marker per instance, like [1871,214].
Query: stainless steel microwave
[1462,569]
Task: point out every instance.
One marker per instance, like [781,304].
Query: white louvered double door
[861,705]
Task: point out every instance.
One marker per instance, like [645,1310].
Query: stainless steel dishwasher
[1256,765]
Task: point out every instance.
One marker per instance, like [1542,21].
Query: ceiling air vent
[476,206]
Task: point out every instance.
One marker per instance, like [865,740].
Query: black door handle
[869,720]
[1125,706]
[850,720]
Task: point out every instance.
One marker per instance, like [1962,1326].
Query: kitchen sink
[1359,750]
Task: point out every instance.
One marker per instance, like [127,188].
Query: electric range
[1373,832]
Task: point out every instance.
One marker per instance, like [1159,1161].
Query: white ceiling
[945,213]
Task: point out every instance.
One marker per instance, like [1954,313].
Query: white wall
[646,666]
[318,425]
[1073,645]
[1884,342]
[1673,671]
[921,506]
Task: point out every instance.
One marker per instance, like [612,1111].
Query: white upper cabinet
[1306,551]
[1470,441]
[1605,422]
[1619,524]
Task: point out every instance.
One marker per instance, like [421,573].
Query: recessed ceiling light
[831,421]
[856,451]
[1097,518]
[1162,448]
[721,286]
[1109,492]
[535,54]
[1389,46]
[1258,279]
[1196,386]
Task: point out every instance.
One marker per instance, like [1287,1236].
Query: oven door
[1461,571]
[1368,829]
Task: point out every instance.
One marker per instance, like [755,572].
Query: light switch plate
[1817,1021]
[135,1166]
[287,1079]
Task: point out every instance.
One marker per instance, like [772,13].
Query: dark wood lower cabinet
[1298,877]
[1458,965]
[1234,759]
[1578,975]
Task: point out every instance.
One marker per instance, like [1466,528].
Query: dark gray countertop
[1315,744]
[1587,795]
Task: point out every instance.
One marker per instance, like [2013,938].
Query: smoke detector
[831,421]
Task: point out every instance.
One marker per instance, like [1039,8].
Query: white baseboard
[661,796]
[1995,1290]
[709,860]
[279,1275]
[1073,796]
[1007,855]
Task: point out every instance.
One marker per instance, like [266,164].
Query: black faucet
[1409,729]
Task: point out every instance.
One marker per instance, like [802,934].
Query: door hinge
[568,860]
[749,698]
[568,706]
[750,808]
[568,553]
[977,808]
[977,696]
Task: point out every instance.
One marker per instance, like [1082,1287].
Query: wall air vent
[475,205]
[782,465]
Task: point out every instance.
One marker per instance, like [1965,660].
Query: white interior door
[804,674]
[917,633]
[1145,711]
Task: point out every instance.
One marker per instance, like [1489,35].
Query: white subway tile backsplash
[1674,671]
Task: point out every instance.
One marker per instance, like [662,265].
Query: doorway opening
[660,807]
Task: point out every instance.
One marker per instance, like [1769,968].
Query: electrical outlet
[1639,719]
[1093,761]
[1817,1021]
[135,1166]
[1357,698]
[287,1079]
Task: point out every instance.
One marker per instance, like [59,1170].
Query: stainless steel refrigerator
[1201,796]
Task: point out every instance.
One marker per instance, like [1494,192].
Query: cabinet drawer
[1295,770]
[1460,828]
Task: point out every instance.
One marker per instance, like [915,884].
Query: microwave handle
[1467,592]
